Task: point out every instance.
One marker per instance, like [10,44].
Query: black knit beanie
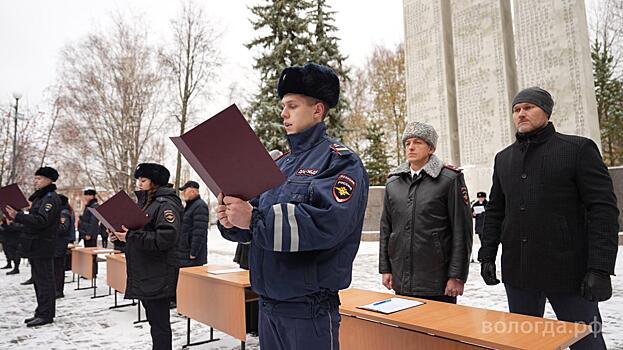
[538,97]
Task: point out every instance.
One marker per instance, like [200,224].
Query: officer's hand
[221,212]
[454,287]
[122,234]
[10,212]
[239,212]
[596,286]
[487,271]
[387,280]
[192,257]
[87,237]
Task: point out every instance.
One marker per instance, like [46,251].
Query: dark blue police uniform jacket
[305,233]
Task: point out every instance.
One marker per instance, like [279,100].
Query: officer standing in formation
[426,226]
[89,226]
[38,232]
[305,233]
[193,242]
[152,261]
[553,209]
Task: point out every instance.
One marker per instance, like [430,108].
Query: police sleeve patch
[169,216]
[465,195]
[343,188]
[47,207]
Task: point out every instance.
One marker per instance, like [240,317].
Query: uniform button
[407,227]
[522,207]
[524,176]
[524,240]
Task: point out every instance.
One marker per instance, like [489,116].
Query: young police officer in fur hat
[38,229]
[305,233]
[553,209]
[426,225]
[151,252]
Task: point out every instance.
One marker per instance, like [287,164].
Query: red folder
[12,196]
[119,210]
[229,157]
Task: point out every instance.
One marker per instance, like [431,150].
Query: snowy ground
[84,323]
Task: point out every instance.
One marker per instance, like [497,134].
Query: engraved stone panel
[484,65]
[552,48]
[430,71]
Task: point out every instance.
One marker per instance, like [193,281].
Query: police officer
[305,233]
[64,235]
[38,229]
[193,242]
[151,253]
[478,212]
[88,226]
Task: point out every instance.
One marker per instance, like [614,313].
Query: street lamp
[16,96]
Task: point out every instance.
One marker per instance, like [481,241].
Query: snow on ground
[85,323]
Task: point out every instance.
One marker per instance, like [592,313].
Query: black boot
[28,281]
[7,266]
[15,271]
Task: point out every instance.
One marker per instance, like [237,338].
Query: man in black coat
[39,229]
[89,226]
[193,241]
[553,209]
[426,224]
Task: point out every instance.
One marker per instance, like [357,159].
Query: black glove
[596,286]
[487,271]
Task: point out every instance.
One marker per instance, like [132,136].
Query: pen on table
[381,302]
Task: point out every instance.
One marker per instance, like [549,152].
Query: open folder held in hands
[229,157]
[120,210]
[12,196]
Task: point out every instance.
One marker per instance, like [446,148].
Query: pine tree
[609,95]
[287,43]
[376,154]
[325,50]
[298,32]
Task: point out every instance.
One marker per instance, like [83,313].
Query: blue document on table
[391,305]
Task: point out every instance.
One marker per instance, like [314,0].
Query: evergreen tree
[325,50]
[298,32]
[609,95]
[286,43]
[376,154]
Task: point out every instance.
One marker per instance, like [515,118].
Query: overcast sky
[32,32]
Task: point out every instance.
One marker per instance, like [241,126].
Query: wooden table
[84,264]
[116,278]
[437,325]
[215,300]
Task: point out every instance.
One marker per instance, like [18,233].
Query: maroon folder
[12,196]
[229,157]
[119,210]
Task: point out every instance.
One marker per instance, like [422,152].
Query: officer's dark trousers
[568,307]
[91,242]
[299,326]
[43,278]
[59,275]
[157,312]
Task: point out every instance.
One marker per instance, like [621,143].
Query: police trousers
[43,278]
[308,323]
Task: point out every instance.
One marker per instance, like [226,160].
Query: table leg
[189,344]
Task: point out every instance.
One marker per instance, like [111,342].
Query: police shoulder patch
[169,216]
[343,188]
[340,149]
[465,195]
[47,207]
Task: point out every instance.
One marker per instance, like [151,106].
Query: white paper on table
[391,305]
[102,251]
[224,271]
[479,209]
